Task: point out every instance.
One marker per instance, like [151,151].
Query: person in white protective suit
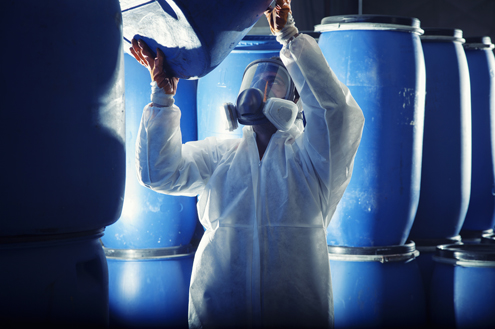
[265,199]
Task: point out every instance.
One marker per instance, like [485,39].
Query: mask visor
[271,79]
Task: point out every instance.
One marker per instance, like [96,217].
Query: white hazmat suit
[263,259]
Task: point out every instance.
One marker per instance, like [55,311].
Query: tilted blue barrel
[62,129]
[149,288]
[380,59]
[54,282]
[150,219]
[446,171]
[481,61]
[222,84]
[377,287]
[63,139]
[463,286]
[195,35]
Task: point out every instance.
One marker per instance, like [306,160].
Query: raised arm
[163,164]
[334,121]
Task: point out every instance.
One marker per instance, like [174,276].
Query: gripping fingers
[136,51]
[163,79]
[160,58]
[137,57]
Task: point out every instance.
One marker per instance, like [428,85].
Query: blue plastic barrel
[150,219]
[195,35]
[446,171]
[377,287]
[463,286]
[149,287]
[62,127]
[426,264]
[222,84]
[54,282]
[380,59]
[481,61]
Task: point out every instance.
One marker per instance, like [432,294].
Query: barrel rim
[443,31]
[253,42]
[479,42]
[466,253]
[367,26]
[370,18]
[474,234]
[430,245]
[440,38]
[442,34]
[383,254]
[408,247]
[489,237]
[150,253]
[369,22]
[259,37]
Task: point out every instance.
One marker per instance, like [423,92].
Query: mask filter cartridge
[281,112]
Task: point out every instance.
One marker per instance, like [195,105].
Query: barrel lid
[369,22]
[442,34]
[483,42]
[467,252]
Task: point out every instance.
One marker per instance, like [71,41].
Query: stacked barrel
[406,188]
[148,249]
[64,159]
[375,276]
[480,217]
[457,179]
[446,169]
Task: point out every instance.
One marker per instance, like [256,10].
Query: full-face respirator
[266,95]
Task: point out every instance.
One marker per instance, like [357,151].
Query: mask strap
[266,94]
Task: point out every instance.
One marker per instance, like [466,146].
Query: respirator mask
[266,95]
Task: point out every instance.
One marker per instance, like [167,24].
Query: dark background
[473,17]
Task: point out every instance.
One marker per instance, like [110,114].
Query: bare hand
[277,17]
[155,66]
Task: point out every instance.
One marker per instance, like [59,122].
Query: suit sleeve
[334,121]
[163,163]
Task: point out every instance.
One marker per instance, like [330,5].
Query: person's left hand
[155,66]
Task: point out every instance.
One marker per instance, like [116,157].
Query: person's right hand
[277,17]
[155,66]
